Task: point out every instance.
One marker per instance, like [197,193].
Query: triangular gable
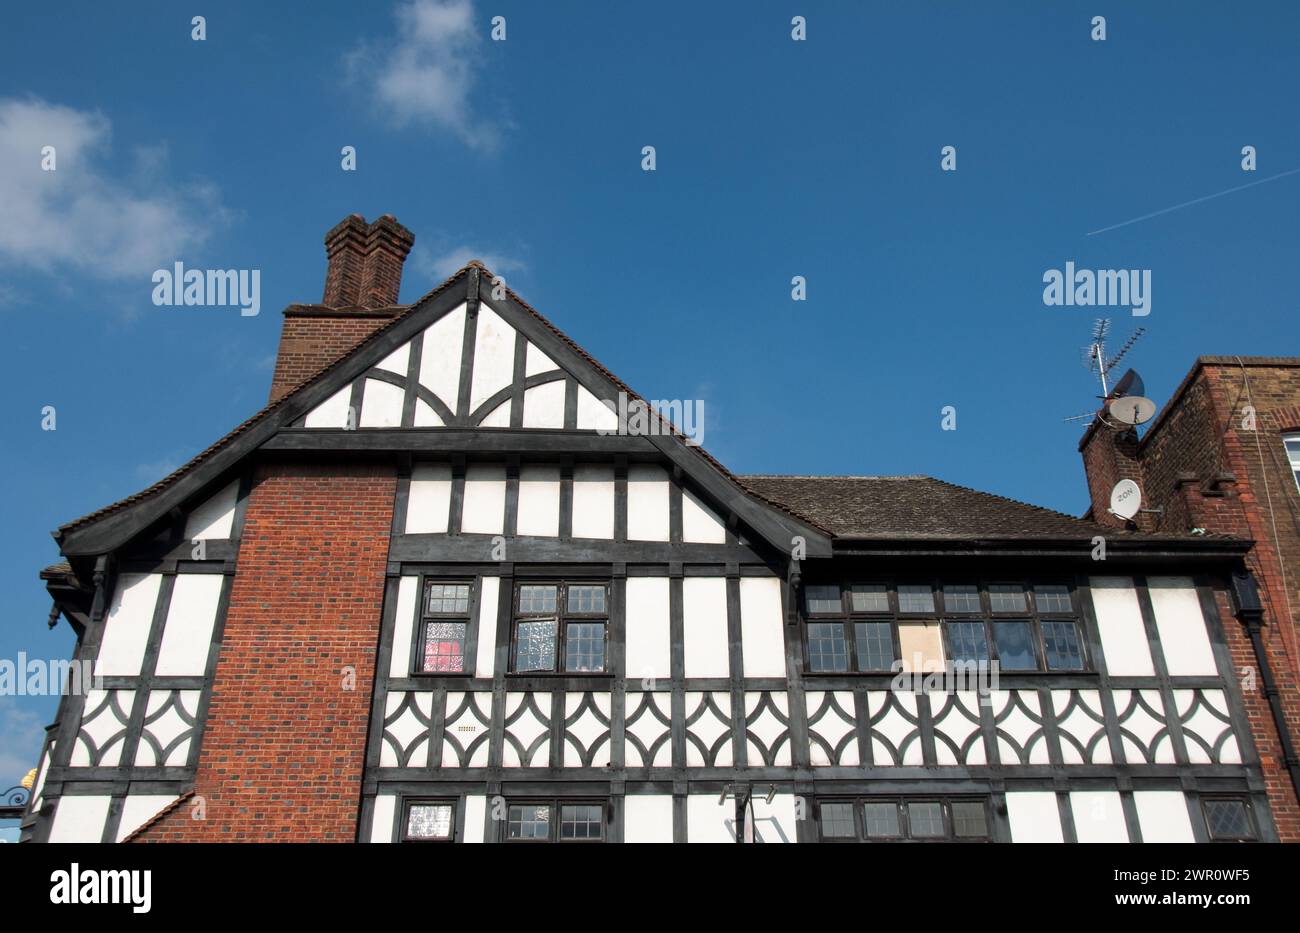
[512,338]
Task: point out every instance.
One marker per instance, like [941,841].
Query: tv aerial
[1126,403]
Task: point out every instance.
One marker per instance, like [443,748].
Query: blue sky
[775,158]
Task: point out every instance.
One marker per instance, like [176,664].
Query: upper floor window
[1292,442]
[894,819]
[561,627]
[850,629]
[430,821]
[1228,819]
[555,821]
[444,632]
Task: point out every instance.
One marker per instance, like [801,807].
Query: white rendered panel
[1034,817]
[704,614]
[648,818]
[381,405]
[762,634]
[649,640]
[126,631]
[425,416]
[537,362]
[381,824]
[1162,816]
[593,414]
[775,821]
[498,417]
[440,356]
[489,597]
[191,617]
[593,501]
[539,500]
[331,413]
[709,821]
[404,626]
[699,523]
[1180,622]
[80,819]
[214,519]
[475,815]
[1098,816]
[1119,620]
[544,405]
[494,357]
[429,503]
[647,503]
[396,362]
[485,500]
[139,809]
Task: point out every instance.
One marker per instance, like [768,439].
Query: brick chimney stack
[1109,455]
[362,282]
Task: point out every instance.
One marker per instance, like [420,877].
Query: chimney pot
[365,262]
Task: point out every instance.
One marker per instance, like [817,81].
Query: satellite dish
[1125,499]
[1132,409]
[1129,384]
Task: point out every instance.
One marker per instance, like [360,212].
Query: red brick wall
[284,750]
[312,338]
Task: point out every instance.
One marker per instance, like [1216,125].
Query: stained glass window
[444,647]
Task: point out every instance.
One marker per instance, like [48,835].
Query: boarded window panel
[1098,816]
[214,519]
[381,405]
[593,501]
[647,503]
[1123,634]
[762,636]
[484,510]
[1184,638]
[1034,817]
[1162,816]
[704,612]
[191,617]
[649,648]
[539,500]
[429,502]
[921,644]
[126,630]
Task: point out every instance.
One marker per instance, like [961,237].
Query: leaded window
[555,821]
[561,628]
[917,819]
[429,821]
[444,627]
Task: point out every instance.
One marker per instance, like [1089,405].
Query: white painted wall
[762,634]
[1098,816]
[707,821]
[699,523]
[535,361]
[489,599]
[191,618]
[475,817]
[429,502]
[775,822]
[440,356]
[593,501]
[648,818]
[403,626]
[126,630]
[649,645]
[331,413]
[397,361]
[1184,638]
[1119,620]
[381,825]
[1162,816]
[80,819]
[499,417]
[494,356]
[381,405]
[139,809]
[704,614]
[544,406]
[647,502]
[214,519]
[425,416]
[1034,817]
[539,500]
[485,499]
[593,415]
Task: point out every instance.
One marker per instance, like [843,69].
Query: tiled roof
[922,508]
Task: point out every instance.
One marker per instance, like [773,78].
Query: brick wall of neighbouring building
[1203,465]
[284,749]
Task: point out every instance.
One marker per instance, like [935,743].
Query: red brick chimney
[1109,455]
[362,282]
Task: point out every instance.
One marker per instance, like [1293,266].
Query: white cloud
[449,261]
[424,75]
[79,216]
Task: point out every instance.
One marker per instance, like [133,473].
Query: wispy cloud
[425,74]
[157,469]
[81,216]
[444,262]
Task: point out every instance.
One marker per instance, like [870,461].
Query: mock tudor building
[435,591]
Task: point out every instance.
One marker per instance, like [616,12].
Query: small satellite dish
[1126,499]
[1132,409]
[1129,384]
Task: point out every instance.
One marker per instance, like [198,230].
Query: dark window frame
[557,804]
[1252,824]
[847,617]
[405,816]
[903,815]
[563,616]
[423,617]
